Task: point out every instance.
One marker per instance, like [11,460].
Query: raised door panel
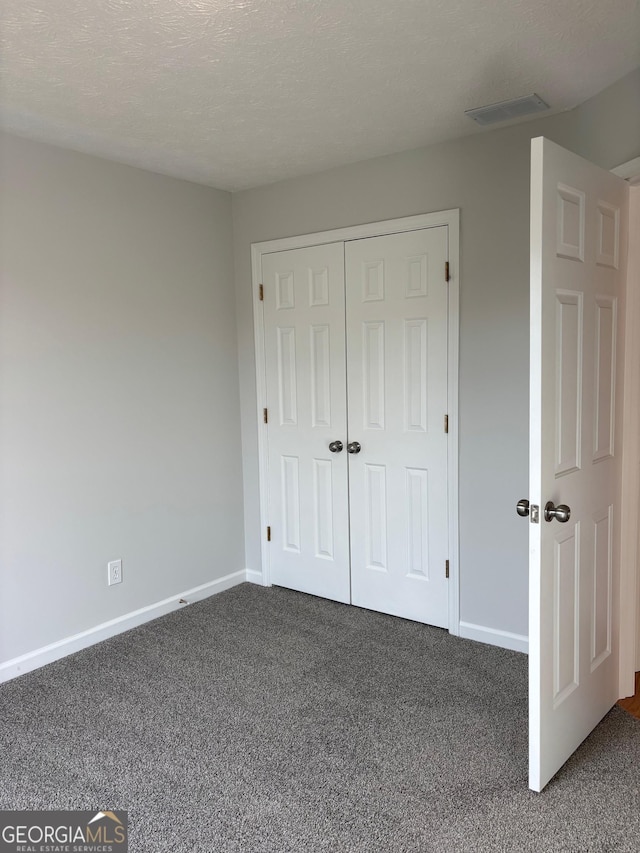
[417,484]
[566,613]
[287,376]
[569,333]
[323,508]
[290,495]
[373,375]
[601,592]
[605,377]
[375,517]
[321,375]
[416,374]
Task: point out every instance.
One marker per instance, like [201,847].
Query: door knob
[522,508]
[561,513]
[336,446]
[354,447]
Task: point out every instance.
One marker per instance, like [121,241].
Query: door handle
[522,508]
[561,513]
[336,446]
[354,447]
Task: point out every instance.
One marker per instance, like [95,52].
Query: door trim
[629,551]
[450,218]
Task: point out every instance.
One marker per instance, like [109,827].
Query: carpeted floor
[265,720]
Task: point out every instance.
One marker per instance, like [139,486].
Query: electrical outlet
[114,572]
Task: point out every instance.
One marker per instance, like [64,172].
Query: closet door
[396,309]
[306,403]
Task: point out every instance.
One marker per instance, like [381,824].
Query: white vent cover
[507,110]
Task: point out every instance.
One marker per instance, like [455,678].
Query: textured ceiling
[237,93]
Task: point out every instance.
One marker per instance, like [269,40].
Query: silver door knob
[336,446]
[561,513]
[354,447]
[522,508]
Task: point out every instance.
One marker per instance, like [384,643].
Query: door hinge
[446,568]
[261,292]
[446,423]
[446,270]
[268,534]
[265,416]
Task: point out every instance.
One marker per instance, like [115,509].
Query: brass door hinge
[446,568]
[446,423]
[261,292]
[268,534]
[265,416]
[446,270]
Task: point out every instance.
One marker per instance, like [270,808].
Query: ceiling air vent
[507,110]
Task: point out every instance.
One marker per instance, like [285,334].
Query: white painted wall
[119,406]
[487,176]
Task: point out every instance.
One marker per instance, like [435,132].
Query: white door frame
[630,542]
[450,218]
[629,551]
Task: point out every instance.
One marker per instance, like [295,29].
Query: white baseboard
[494,637]
[47,654]
[255,577]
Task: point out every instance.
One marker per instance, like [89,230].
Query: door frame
[630,550]
[450,218]
[630,534]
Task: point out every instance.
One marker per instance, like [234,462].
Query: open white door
[579,219]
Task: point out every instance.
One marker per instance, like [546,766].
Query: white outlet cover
[114,572]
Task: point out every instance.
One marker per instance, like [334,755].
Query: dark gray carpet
[265,720]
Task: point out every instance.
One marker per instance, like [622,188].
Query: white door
[306,404]
[390,500]
[397,402]
[578,250]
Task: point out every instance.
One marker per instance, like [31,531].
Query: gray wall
[119,403]
[487,176]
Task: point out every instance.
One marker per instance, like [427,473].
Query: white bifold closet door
[307,405]
[356,354]
[397,381]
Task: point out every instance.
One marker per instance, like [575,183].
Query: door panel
[306,400]
[578,238]
[397,382]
